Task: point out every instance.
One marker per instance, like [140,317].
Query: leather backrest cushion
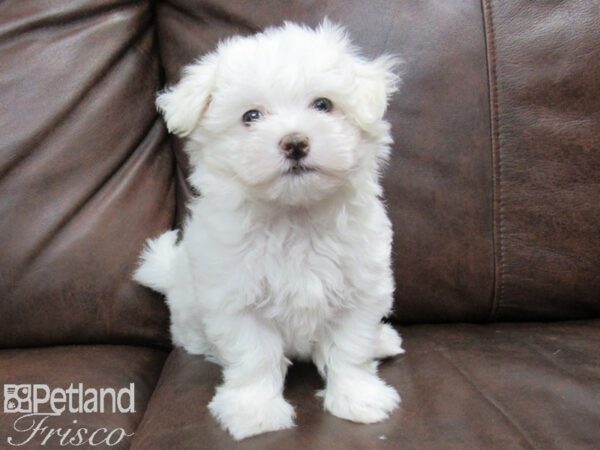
[85,172]
[493,187]
[545,92]
[438,184]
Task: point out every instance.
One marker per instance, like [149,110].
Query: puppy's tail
[157,262]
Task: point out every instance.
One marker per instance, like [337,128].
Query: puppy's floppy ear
[182,105]
[375,82]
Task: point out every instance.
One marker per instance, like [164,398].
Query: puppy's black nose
[294,146]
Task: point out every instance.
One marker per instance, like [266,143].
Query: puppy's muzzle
[295,146]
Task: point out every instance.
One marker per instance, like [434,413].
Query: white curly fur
[275,265]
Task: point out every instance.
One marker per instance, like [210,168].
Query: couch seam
[154,13]
[213,11]
[543,355]
[497,406]
[443,352]
[162,84]
[497,197]
[159,382]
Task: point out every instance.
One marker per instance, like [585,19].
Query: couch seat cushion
[107,366]
[500,386]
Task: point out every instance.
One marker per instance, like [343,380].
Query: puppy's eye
[251,116]
[322,104]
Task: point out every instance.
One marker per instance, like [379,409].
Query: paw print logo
[17,398]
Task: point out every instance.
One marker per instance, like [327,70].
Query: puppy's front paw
[245,412]
[366,400]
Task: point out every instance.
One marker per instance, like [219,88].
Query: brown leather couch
[493,188]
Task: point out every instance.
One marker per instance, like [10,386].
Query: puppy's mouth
[298,169]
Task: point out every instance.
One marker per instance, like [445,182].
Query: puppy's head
[293,114]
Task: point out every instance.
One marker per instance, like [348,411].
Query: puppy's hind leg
[187,328]
[187,332]
[164,267]
[389,342]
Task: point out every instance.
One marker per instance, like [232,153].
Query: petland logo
[39,405]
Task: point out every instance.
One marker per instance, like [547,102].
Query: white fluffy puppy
[286,254]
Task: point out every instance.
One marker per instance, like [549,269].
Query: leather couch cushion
[492,186]
[545,89]
[493,183]
[438,184]
[85,172]
[508,386]
[93,366]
